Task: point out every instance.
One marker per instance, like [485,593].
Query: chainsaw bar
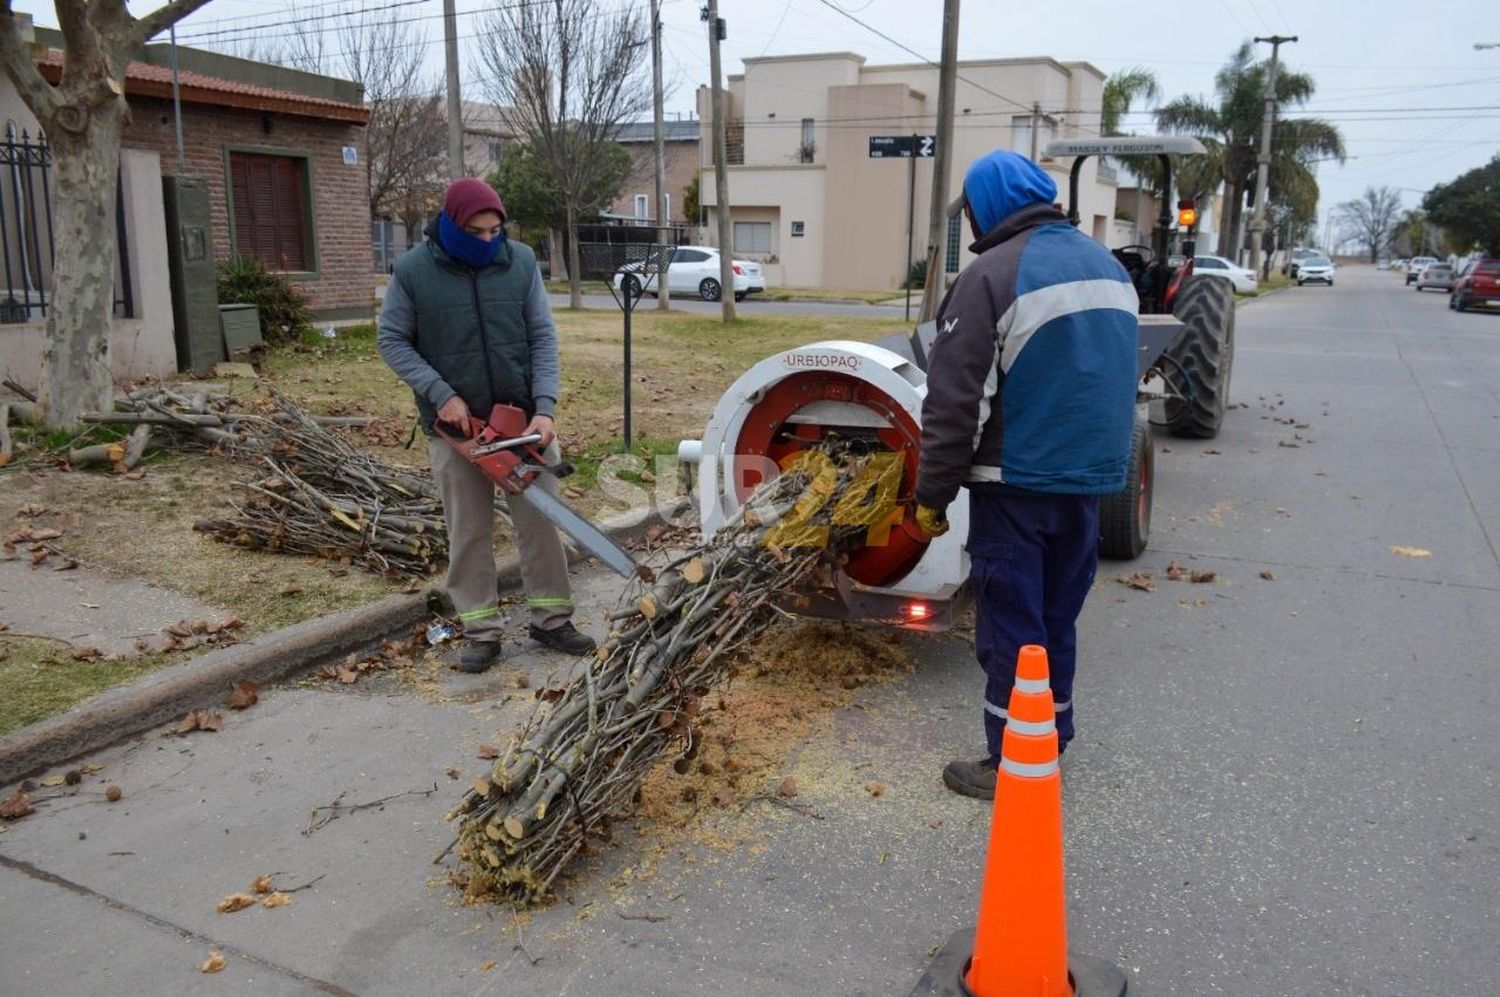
[592,539]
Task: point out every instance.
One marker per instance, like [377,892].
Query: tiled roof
[145,80]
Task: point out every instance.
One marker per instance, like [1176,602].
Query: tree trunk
[555,255]
[575,283]
[75,375]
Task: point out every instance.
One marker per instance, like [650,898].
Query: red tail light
[738,270]
[1175,284]
[918,611]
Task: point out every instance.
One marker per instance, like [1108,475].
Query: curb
[163,696]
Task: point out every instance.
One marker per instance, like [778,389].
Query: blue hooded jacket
[1002,183]
[1031,380]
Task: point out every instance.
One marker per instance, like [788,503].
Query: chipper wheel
[1199,362]
[1125,517]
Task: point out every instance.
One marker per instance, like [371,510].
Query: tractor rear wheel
[1125,517]
[1201,357]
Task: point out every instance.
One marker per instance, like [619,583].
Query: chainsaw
[510,457]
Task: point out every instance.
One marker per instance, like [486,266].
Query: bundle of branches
[327,498]
[578,764]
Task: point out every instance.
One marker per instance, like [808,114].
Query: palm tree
[1233,122]
[1120,91]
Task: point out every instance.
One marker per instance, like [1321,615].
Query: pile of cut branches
[578,764]
[325,497]
[313,493]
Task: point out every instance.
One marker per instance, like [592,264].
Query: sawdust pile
[784,689]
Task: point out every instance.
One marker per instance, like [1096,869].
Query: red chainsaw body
[518,464]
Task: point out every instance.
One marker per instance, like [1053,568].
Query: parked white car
[1244,281]
[1416,265]
[1315,269]
[694,270]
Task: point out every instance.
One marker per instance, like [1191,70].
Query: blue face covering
[471,249]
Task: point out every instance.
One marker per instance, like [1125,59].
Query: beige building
[809,202]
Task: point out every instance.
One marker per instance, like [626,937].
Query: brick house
[681,154]
[280,151]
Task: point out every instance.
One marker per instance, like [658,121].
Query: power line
[317,17]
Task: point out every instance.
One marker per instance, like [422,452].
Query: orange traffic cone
[1021,943]
[1020,946]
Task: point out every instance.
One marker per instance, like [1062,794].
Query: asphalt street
[1284,783]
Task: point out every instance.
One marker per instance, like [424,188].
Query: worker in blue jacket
[1030,399]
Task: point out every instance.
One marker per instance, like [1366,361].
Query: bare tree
[1371,219]
[83,115]
[570,72]
[406,135]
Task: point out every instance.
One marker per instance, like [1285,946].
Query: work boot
[976,779]
[565,638]
[478,656]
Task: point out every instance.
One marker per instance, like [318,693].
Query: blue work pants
[1033,557]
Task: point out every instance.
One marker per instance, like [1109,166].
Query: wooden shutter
[270,222]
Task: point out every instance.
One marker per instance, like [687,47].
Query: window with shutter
[270,214]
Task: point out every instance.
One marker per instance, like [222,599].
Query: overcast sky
[1417,103]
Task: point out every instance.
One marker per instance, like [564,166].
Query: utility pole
[1263,168]
[455,105]
[721,173]
[942,158]
[1036,124]
[663,221]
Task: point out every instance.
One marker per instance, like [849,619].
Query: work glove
[932,522]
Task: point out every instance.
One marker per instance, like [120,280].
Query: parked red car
[1477,286]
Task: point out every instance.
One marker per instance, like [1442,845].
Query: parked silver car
[1438,275]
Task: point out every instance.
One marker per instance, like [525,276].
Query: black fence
[27,239]
[604,249]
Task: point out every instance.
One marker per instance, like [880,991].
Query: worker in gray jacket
[467,326]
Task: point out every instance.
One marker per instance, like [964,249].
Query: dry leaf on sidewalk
[1202,577]
[261,884]
[243,695]
[16,807]
[200,720]
[1410,551]
[213,965]
[277,900]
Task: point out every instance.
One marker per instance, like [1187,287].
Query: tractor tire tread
[1205,355]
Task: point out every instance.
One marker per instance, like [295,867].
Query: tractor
[1186,337]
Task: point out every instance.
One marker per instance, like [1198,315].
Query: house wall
[343,285]
[681,167]
[862,239]
[139,347]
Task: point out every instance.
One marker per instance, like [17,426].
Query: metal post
[1263,167]
[1036,124]
[629,308]
[455,104]
[663,221]
[177,106]
[911,211]
[942,159]
[721,173]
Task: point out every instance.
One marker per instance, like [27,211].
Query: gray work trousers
[468,508]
